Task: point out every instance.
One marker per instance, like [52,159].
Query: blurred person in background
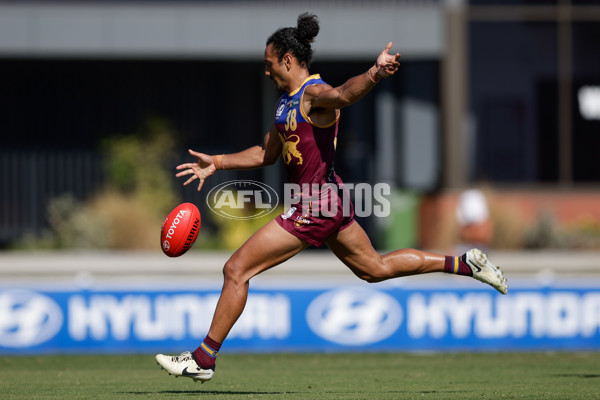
[475,227]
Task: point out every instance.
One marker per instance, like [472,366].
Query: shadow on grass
[578,375]
[434,391]
[205,392]
[249,393]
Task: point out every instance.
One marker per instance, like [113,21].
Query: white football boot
[184,365]
[485,271]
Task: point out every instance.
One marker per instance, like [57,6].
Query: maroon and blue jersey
[308,149]
[308,153]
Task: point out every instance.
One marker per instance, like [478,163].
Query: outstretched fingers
[196,173]
[196,154]
[188,169]
[200,181]
[200,170]
[190,180]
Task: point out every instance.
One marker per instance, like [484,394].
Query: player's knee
[378,274]
[233,271]
[373,279]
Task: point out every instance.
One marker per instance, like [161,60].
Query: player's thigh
[268,247]
[353,247]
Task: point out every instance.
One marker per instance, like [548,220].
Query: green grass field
[310,376]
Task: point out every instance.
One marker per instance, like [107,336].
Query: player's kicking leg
[184,365]
[268,247]
[353,247]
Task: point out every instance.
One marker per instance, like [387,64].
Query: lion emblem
[290,150]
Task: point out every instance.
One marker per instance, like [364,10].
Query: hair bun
[308,27]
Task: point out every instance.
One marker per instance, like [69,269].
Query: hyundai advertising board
[328,318]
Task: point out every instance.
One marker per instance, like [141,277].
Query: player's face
[274,69]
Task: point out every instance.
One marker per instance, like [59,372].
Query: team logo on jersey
[289,213]
[293,103]
[290,149]
[301,221]
[280,109]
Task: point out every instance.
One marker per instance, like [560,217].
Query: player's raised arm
[253,157]
[356,87]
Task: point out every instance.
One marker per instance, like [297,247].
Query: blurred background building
[503,94]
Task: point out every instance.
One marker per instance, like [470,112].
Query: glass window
[513,100]
[585,2]
[512,2]
[586,101]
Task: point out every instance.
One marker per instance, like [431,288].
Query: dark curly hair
[296,40]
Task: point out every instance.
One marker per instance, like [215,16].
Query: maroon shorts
[315,221]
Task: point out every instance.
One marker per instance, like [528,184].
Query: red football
[180,229]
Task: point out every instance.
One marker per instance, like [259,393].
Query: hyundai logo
[354,316]
[27,318]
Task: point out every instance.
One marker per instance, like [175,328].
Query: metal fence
[29,179]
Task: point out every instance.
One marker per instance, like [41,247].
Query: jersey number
[290,121]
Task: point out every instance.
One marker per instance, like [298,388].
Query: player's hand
[387,64]
[200,170]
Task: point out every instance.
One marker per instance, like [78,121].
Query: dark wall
[74,103]
[514,101]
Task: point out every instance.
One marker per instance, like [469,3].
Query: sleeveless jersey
[323,207]
[308,149]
